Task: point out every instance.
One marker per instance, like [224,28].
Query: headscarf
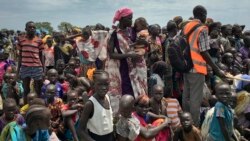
[122,12]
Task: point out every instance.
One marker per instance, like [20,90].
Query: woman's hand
[134,56]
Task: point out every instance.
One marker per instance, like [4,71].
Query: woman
[124,77]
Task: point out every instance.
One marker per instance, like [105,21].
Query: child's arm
[152,132]
[68,113]
[223,128]
[155,116]
[70,125]
[85,115]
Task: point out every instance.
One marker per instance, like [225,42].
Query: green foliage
[65,27]
[44,26]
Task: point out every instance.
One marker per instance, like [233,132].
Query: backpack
[179,52]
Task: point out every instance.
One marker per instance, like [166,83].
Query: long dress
[126,76]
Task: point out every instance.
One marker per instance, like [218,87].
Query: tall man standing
[195,79]
[30,62]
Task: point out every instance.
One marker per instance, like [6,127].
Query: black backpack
[179,52]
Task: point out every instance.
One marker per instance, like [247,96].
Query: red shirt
[30,50]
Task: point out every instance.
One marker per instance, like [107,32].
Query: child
[221,126]
[64,84]
[60,66]
[155,49]
[147,131]
[10,109]
[71,115]
[2,68]
[187,132]
[72,80]
[128,127]
[71,66]
[173,110]
[78,67]
[157,103]
[52,77]
[98,107]
[156,78]
[30,98]
[55,105]
[13,88]
[62,49]
[37,121]
[141,28]
[49,54]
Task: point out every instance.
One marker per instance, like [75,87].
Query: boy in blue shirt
[53,79]
[221,126]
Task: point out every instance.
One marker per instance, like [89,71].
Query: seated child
[30,98]
[36,128]
[70,68]
[10,113]
[38,122]
[53,79]
[55,105]
[78,68]
[71,115]
[12,88]
[64,84]
[60,66]
[148,131]
[72,80]
[127,127]
[157,104]
[221,126]
[187,131]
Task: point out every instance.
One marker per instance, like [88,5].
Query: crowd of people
[124,84]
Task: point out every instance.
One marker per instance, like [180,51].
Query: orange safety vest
[200,65]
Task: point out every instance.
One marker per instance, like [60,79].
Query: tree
[65,27]
[44,26]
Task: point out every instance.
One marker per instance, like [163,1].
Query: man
[195,79]
[30,62]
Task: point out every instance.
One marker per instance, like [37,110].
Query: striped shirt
[30,50]
[173,108]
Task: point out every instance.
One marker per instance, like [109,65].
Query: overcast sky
[15,13]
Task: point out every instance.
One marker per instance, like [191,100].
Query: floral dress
[137,69]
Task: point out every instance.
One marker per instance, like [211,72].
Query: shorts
[35,73]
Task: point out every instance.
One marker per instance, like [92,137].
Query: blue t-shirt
[225,112]
[59,91]
[41,135]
